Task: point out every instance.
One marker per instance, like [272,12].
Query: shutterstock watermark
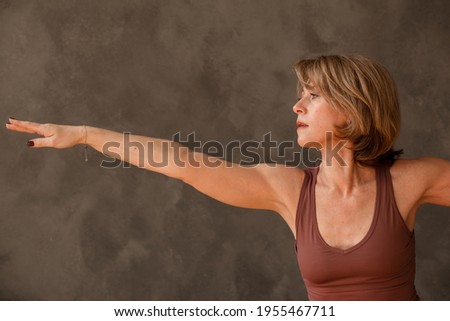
[193,153]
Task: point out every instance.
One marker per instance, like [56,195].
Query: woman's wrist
[82,135]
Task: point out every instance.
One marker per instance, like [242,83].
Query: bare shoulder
[286,182]
[419,170]
[426,179]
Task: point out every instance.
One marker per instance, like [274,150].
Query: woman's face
[315,117]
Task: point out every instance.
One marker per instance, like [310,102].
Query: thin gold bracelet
[85,144]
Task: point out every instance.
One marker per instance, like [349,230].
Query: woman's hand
[56,136]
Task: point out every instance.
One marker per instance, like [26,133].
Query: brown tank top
[380,267]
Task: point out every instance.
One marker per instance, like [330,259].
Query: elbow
[178,165]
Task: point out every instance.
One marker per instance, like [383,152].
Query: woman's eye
[313,96]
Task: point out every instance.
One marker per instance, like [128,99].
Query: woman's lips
[301,125]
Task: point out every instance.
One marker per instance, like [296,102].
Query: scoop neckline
[372,224]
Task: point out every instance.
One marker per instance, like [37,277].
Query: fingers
[32,128]
[25,126]
[19,129]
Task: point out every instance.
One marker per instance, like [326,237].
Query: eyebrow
[309,87]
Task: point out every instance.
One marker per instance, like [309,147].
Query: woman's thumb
[38,142]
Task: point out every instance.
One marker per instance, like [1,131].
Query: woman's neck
[339,171]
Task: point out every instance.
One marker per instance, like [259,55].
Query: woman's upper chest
[343,222]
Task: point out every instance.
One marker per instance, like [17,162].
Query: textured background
[72,230]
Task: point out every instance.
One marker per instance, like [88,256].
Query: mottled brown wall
[72,230]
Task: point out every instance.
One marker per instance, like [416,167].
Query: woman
[352,214]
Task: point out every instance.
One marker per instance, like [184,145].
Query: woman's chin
[308,144]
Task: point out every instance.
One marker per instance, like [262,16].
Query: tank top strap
[385,182]
[306,194]
[388,206]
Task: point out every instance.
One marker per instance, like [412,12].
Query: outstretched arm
[263,186]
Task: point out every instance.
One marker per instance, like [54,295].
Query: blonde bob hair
[366,93]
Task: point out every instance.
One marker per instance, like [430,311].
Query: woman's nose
[297,108]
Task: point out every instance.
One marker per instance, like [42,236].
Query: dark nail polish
[30,143]
[12,117]
[8,123]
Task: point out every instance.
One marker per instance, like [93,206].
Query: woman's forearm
[159,155]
